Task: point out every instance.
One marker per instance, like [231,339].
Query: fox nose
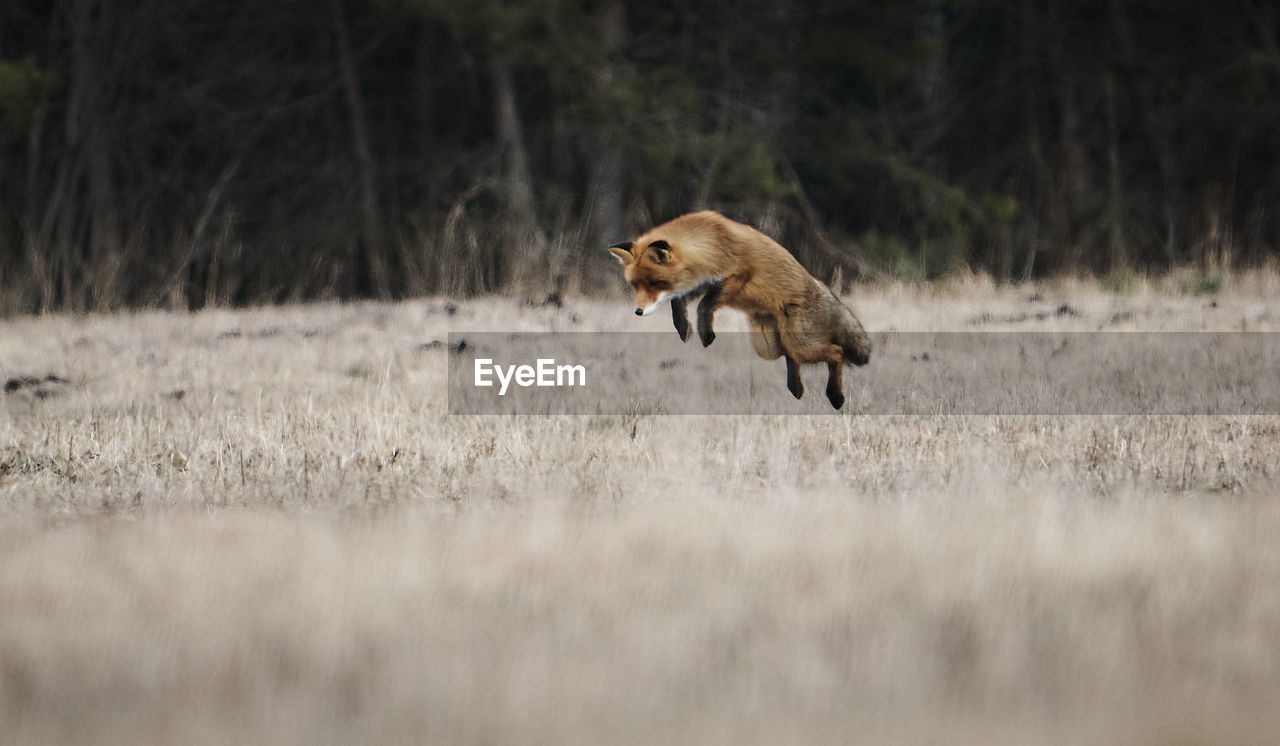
[639,311]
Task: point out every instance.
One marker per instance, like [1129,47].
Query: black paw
[836,398]
[683,331]
[707,336]
[680,318]
[794,384]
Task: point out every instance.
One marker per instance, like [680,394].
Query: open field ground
[262,527]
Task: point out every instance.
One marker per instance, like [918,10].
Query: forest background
[181,153]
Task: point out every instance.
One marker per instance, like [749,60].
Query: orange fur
[791,313]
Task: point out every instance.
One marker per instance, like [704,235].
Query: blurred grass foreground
[261,526]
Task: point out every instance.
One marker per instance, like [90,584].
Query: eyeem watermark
[544,372]
[911,373]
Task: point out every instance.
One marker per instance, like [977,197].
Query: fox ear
[623,252]
[661,251]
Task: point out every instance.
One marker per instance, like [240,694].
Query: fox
[732,265]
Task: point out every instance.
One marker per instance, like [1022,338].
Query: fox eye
[660,285]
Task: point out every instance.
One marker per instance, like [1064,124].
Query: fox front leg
[680,316]
[835,384]
[794,384]
[706,311]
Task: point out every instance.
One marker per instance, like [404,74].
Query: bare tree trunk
[371,234]
[67,249]
[518,182]
[1114,213]
[1075,175]
[100,268]
[1161,140]
[89,235]
[37,226]
[606,195]
[529,265]
[1041,179]
[606,167]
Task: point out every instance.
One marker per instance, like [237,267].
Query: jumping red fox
[730,264]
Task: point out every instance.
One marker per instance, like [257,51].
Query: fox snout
[649,297]
[648,303]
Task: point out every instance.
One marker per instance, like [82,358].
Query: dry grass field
[261,526]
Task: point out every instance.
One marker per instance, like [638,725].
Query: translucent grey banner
[960,373]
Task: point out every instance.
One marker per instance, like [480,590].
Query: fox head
[654,271]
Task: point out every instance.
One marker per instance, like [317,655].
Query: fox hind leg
[706,311]
[764,337]
[794,384]
[680,316]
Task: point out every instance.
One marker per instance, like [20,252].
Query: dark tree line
[186,152]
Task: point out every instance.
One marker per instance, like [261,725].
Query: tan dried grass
[302,547]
